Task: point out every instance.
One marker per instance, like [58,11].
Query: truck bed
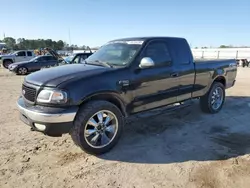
[208,70]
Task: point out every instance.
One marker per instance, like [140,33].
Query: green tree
[223,46]
[10,42]
[31,44]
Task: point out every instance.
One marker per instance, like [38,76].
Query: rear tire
[213,100]
[97,127]
[6,63]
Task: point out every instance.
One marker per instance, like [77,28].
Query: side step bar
[168,109]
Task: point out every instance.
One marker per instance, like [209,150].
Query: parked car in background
[122,78]
[77,57]
[243,63]
[18,56]
[34,64]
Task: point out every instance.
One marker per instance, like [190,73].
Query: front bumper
[51,121]
[13,69]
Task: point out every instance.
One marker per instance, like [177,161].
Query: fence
[218,53]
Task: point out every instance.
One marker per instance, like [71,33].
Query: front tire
[213,101]
[22,71]
[97,127]
[6,63]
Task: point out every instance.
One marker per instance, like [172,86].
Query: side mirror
[146,62]
[36,61]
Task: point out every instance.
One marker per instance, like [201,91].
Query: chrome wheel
[217,98]
[22,70]
[101,129]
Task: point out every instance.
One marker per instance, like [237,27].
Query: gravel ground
[182,149]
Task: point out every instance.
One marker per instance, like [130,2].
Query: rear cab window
[29,53]
[180,51]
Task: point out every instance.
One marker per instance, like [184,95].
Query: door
[38,63]
[29,55]
[47,61]
[156,86]
[21,56]
[184,67]
[51,61]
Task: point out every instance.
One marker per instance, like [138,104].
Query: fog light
[40,127]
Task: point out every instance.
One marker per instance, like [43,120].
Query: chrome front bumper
[45,115]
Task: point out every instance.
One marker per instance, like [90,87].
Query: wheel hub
[217,98]
[101,129]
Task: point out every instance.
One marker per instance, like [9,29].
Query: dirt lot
[183,149]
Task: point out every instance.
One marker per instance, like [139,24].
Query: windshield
[118,53]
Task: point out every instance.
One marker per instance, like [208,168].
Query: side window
[50,58]
[20,54]
[41,59]
[158,52]
[76,60]
[182,57]
[29,53]
[83,57]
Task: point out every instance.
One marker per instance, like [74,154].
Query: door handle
[174,74]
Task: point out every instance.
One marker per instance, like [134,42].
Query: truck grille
[29,93]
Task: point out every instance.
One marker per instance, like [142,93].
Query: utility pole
[69,38]
[70,42]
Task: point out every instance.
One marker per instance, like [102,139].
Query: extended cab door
[21,56]
[29,55]
[184,67]
[158,85]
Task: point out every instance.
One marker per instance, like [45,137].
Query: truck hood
[52,77]
[7,56]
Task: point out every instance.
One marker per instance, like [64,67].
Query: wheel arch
[220,79]
[111,97]
[5,60]
[8,59]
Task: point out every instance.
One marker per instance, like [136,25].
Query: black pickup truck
[124,77]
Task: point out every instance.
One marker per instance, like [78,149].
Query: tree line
[28,44]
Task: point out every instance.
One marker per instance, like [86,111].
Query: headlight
[52,96]
[12,66]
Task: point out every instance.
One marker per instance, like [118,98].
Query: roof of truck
[147,38]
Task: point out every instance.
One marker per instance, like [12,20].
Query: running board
[167,109]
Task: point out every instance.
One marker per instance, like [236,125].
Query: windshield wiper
[97,62]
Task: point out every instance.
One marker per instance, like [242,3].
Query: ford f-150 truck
[18,56]
[124,77]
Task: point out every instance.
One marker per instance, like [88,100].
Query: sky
[94,22]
